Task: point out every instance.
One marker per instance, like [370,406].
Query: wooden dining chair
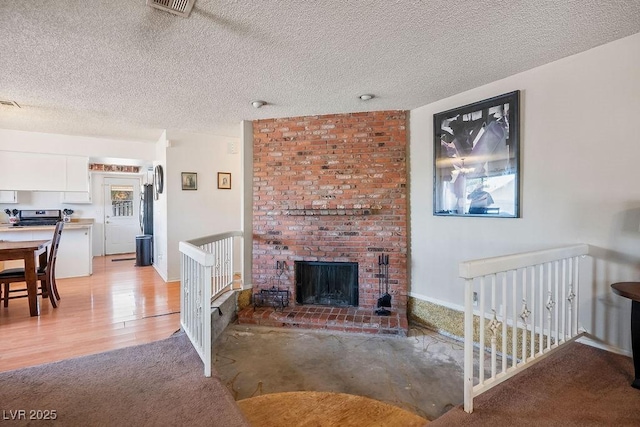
[45,274]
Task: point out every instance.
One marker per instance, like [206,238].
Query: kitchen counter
[75,253]
[74,224]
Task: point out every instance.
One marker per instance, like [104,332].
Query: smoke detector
[177,7]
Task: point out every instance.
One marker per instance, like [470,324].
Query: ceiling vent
[9,103]
[177,7]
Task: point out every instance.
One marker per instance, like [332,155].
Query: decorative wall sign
[189,181]
[477,159]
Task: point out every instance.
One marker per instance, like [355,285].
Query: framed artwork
[477,159]
[189,181]
[224,180]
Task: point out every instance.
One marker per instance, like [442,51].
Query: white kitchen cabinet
[8,196]
[43,172]
[32,171]
[77,170]
[77,197]
[75,253]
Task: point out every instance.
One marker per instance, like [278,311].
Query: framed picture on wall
[189,181]
[224,180]
[477,159]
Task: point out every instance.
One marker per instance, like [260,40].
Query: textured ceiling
[119,69]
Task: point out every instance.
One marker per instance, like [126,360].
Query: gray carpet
[157,384]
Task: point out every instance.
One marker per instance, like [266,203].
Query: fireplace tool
[274,297]
[383,285]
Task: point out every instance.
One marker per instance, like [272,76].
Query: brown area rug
[157,384]
[320,409]
[577,386]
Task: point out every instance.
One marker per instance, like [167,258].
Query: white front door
[121,215]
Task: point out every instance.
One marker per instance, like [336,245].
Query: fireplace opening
[327,283]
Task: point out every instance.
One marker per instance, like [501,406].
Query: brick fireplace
[331,189]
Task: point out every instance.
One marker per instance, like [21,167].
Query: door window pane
[122,200]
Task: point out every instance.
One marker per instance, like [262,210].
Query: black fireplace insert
[327,283]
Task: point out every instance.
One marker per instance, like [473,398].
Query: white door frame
[136,181]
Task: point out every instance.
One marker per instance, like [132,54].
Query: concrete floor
[422,373]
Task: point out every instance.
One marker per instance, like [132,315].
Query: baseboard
[434,315]
[161,274]
[594,342]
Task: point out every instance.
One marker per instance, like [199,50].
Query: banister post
[468,346]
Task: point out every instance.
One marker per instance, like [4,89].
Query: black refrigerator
[144,242]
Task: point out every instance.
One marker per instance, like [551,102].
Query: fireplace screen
[327,283]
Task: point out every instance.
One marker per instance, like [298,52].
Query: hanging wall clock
[158,180]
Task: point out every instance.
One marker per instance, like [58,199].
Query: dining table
[631,290]
[29,251]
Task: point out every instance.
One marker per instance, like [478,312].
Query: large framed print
[477,159]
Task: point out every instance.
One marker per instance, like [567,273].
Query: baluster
[541,310]
[514,330]
[577,291]
[468,345]
[532,343]
[482,342]
[493,326]
[187,288]
[563,333]
[524,315]
[229,262]
[556,306]
[549,305]
[504,322]
[189,296]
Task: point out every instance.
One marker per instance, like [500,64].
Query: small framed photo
[189,181]
[224,180]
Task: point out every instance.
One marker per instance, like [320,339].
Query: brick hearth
[331,188]
[344,319]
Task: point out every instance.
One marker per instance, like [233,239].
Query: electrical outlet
[475,299]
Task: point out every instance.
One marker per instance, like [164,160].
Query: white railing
[518,308]
[206,271]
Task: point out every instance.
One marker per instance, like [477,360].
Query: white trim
[587,340]
[163,275]
[446,304]
[486,266]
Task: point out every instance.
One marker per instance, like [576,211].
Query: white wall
[207,210]
[579,179]
[51,143]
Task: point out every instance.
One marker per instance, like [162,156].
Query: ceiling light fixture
[258,104]
[366,97]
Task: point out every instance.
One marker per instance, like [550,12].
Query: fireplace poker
[383,281]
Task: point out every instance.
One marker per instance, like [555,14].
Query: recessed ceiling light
[258,104]
[366,97]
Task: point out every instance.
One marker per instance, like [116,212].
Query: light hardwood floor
[120,305]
